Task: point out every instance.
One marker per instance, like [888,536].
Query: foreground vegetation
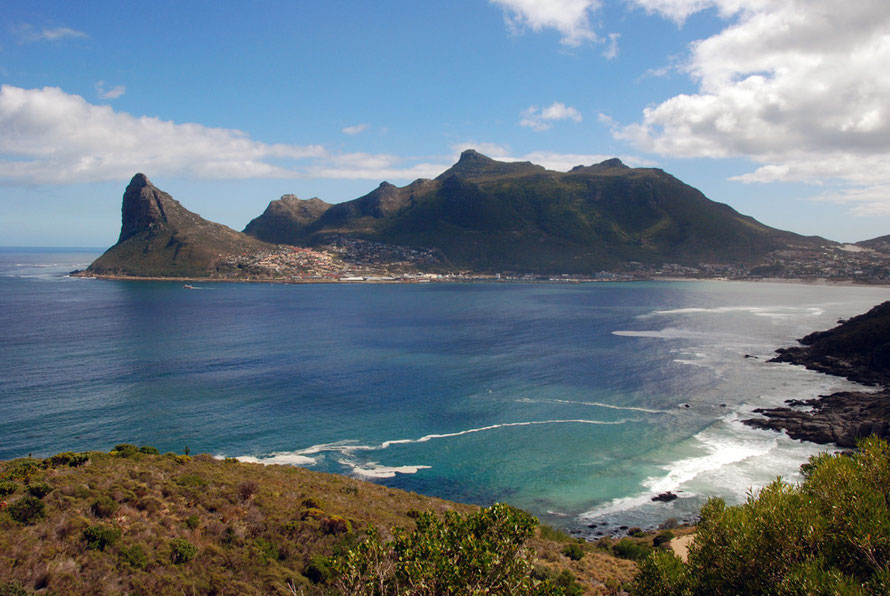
[133,521]
[828,535]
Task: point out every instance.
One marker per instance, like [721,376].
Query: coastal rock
[665,497]
[859,350]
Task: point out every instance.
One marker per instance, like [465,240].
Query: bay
[576,402]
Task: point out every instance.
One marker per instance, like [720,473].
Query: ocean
[576,402]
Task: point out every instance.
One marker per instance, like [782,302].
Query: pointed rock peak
[139,180]
[143,206]
[472,155]
[386,184]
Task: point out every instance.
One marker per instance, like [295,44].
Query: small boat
[189,287]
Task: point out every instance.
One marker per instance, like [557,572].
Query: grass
[131,522]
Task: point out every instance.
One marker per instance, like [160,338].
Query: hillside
[133,521]
[486,215]
[161,238]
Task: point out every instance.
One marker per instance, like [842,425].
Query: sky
[776,107]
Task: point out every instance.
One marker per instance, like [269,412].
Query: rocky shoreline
[858,350]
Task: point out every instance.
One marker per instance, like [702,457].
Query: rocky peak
[144,205]
[473,164]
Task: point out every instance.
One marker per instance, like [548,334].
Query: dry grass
[255,528]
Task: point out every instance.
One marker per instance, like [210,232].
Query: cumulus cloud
[112,93]
[48,136]
[541,119]
[797,86]
[28,34]
[570,17]
[354,130]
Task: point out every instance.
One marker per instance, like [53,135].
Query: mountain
[161,238]
[282,219]
[486,215]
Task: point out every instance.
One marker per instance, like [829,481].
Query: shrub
[27,510]
[192,522]
[98,537]
[182,551]
[628,549]
[670,523]
[135,557]
[66,458]
[104,506]
[318,570]
[662,538]
[830,534]
[335,524]
[7,488]
[22,469]
[311,513]
[149,450]
[40,489]
[191,480]
[481,553]
[247,489]
[125,450]
[573,551]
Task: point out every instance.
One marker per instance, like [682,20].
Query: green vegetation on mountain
[135,522]
[486,215]
[161,238]
[828,535]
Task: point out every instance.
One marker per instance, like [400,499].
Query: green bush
[7,488]
[149,450]
[628,549]
[27,510]
[104,506]
[98,537]
[135,557]
[335,524]
[182,551]
[662,537]
[125,450]
[828,535]
[40,489]
[22,469]
[66,458]
[480,553]
[574,551]
[318,570]
[192,522]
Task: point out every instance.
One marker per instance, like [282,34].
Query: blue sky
[776,107]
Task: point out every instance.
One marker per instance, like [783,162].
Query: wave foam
[374,470]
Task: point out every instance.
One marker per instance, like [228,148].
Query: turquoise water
[576,402]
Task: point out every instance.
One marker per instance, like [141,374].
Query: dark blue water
[568,400]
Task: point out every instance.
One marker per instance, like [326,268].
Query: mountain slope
[491,216]
[161,238]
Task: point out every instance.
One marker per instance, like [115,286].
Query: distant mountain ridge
[479,216]
[486,215]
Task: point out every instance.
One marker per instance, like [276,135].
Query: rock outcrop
[859,350]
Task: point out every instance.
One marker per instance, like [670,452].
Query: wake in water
[596,404]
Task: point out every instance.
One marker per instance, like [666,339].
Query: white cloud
[611,50]
[799,87]
[48,136]
[541,119]
[113,93]
[569,17]
[354,130]
[27,34]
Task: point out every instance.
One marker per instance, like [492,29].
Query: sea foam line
[348,447]
[594,404]
[761,311]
